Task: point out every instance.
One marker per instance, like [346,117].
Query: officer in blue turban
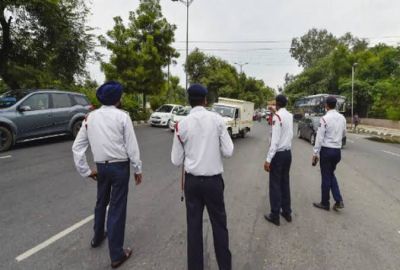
[109,131]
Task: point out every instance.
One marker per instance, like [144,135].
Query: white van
[162,116]
[238,115]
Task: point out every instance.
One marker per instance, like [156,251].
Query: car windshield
[8,99]
[225,111]
[184,112]
[165,109]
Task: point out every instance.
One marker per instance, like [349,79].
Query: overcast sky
[259,20]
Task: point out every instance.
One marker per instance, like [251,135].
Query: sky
[257,32]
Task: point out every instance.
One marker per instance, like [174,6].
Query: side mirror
[24,108]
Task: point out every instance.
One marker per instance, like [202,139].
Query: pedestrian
[279,159]
[109,133]
[332,129]
[356,121]
[200,142]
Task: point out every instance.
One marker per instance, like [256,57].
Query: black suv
[31,114]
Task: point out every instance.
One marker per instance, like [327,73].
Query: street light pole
[352,93]
[241,66]
[187,3]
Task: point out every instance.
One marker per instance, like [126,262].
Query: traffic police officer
[110,134]
[278,163]
[200,142]
[328,143]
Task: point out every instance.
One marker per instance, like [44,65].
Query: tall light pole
[353,70]
[241,66]
[187,3]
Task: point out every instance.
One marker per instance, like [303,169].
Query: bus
[315,105]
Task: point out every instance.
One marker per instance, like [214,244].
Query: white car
[162,116]
[178,117]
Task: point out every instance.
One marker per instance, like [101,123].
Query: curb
[139,123]
[382,135]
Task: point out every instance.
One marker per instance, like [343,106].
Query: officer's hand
[93,175]
[267,166]
[138,178]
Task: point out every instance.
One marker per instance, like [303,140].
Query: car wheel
[75,128]
[243,133]
[312,139]
[299,133]
[6,139]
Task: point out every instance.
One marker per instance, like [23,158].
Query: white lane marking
[53,239]
[350,141]
[391,153]
[4,157]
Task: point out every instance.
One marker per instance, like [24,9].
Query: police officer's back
[278,162]
[201,141]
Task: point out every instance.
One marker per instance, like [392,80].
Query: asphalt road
[42,195]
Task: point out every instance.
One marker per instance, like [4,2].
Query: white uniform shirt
[332,129]
[205,141]
[282,133]
[109,132]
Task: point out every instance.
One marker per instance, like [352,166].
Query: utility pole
[241,65]
[187,3]
[353,70]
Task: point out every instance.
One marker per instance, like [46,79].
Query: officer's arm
[79,148]
[276,134]
[131,145]
[320,136]
[177,152]
[226,144]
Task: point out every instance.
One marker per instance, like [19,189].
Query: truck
[237,114]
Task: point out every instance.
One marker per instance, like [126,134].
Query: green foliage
[221,79]
[376,86]
[43,43]
[140,50]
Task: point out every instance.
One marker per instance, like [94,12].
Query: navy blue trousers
[279,183]
[112,189]
[329,158]
[206,192]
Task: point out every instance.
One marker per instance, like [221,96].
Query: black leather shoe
[273,219]
[321,206]
[96,243]
[337,206]
[288,217]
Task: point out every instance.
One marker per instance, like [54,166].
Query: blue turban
[109,93]
[197,91]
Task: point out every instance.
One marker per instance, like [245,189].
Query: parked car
[178,117]
[162,116]
[30,114]
[308,127]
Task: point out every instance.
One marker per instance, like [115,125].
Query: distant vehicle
[238,115]
[307,129]
[30,114]
[315,105]
[178,117]
[162,116]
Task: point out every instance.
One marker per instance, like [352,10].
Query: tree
[311,47]
[43,43]
[140,50]
[222,79]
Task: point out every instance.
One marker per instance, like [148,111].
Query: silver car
[30,114]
